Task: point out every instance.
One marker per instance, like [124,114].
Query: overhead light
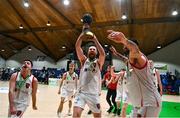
[29,48]
[21,26]
[124,16]
[175,12]
[158,46]
[2,50]
[63,47]
[48,23]
[81,20]
[105,45]
[66,2]
[26,3]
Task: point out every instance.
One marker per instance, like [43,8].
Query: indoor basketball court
[97,53]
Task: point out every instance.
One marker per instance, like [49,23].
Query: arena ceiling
[149,21]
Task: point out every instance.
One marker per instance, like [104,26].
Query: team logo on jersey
[18,113]
[27,85]
[92,68]
[98,106]
[94,64]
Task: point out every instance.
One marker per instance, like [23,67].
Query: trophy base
[89,34]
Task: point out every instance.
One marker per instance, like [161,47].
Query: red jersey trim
[145,112]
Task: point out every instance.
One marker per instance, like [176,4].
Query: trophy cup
[87,20]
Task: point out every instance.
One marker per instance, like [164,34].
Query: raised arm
[12,85]
[100,50]
[79,50]
[119,75]
[135,55]
[34,91]
[120,56]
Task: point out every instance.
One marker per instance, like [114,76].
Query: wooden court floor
[48,101]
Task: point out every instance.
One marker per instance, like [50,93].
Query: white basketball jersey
[69,82]
[142,91]
[120,83]
[23,89]
[90,76]
[121,86]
